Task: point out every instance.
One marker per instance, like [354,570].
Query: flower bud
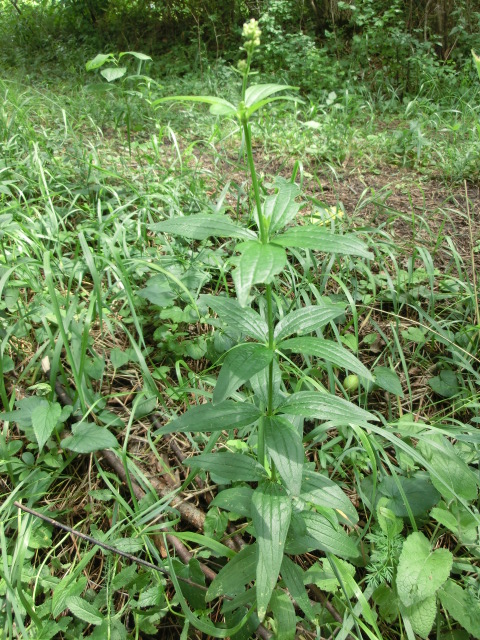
[251,34]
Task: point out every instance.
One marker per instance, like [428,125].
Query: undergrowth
[239,354]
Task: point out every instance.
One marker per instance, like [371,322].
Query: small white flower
[251,34]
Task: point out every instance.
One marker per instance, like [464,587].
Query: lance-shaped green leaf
[227,465]
[284,615]
[284,445]
[321,491]
[271,513]
[325,406]
[213,417]
[310,236]
[258,264]
[257,92]
[421,571]
[219,106]
[201,226]
[328,351]
[280,208]
[258,105]
[244,319]
[84,610]
[328,537]
[240,364]
[292,575]
[307,319]
[231,579]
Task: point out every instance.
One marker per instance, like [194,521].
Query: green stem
[260,220]
[263,229]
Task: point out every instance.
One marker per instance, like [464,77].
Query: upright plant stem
[263,228]
[260,220]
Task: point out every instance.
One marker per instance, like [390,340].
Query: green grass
[117,309]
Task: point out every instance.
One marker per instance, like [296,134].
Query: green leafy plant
[293,509]
[121,84]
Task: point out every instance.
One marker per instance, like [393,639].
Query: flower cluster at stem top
[251,34]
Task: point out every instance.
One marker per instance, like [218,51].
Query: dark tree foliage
[406,41]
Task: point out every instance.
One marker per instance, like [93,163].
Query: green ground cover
[240,348]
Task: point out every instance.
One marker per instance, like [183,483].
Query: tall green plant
[293,509]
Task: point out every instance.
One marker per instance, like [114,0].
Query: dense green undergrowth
[180,284]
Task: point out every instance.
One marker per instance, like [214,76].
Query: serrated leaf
[324,406]
[462,606]
[285,447]
[292,575]
[271,513]
[202,226]
[328,351]
[64,590]
[284,615]
[280,208]
[113,73]
[124,577]
[421,615]
[237,500]
[239,571]
[44,420]
[84,610]
[387,379]
[229,466]
[245,319]
[257,264]
[327,537]
[421,571]
[257,92]
[209,417]
[310,236]
[240,364]
[88,437]
[324,492]
[325,578]
[307,319]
